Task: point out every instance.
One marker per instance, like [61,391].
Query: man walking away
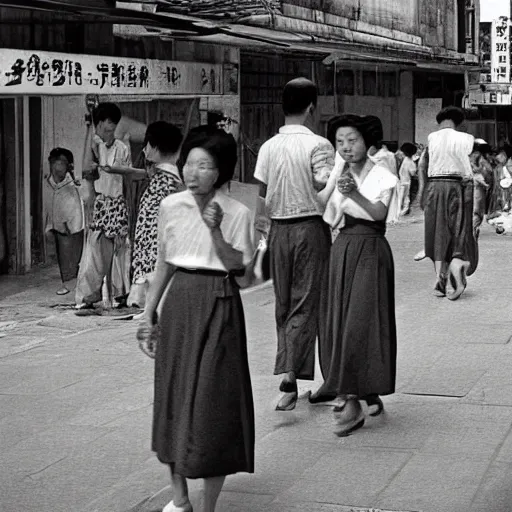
[293,167]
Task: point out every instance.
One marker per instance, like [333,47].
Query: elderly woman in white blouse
[361,329]
[203,424]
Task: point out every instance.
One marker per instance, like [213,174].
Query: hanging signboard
[34,72]
[500,51]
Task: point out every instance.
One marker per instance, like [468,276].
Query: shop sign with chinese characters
[500,51]
[34,72]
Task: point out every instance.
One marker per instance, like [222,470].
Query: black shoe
[374,400]
[315,398]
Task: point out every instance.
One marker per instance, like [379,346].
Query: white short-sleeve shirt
[186,239]
[292,164]
[377,186]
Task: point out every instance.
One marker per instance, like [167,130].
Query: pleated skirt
[360,341]
[203,419]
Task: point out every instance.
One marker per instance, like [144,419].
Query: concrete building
[400,60]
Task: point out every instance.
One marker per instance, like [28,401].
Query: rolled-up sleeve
[262,167]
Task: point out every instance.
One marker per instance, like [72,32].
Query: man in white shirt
[293,166]
[107,251]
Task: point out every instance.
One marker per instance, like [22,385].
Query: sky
[493,9]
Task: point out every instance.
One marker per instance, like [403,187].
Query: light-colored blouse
[64,208]
[377,186]
[186,239]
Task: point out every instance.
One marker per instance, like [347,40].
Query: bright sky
[493,9]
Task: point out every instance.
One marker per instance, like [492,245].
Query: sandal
[440,287]
[62,291]
[288,400]
[346,428]
[171,507]
[459,285]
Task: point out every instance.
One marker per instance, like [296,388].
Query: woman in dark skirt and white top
[203,425]
[361,328]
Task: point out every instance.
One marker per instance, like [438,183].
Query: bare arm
[134,173]
[378,211]
[262,222]
[423,176]
[163,273]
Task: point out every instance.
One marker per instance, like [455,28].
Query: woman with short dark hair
[203,423]
[360,338]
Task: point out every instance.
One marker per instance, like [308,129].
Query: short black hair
[452,113]
[106,111]
[219,144]
[409,149]
[56,153]
[298,94]
[370,128]
[164,136]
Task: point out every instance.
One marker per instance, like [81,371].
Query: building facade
[53,68]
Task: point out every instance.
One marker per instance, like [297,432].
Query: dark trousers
[69,252]
[299,253]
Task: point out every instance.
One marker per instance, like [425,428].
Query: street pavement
[76,395]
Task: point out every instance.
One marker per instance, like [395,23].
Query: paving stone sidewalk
[76,395]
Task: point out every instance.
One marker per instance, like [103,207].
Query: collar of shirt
[295,128]
[169,169]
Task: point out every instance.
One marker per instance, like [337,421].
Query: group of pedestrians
[93,244]
[328,202]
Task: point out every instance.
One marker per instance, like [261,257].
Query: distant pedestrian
[382,156]
[448,203]
[361,328]
[293,166]
[203,422]
[65,217]
[162,150]
[482,182]
[408,169]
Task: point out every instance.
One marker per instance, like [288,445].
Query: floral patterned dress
[166,181]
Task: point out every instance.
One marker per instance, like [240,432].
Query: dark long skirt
[203,410]
[69,253]
[444,220]
[299,253]
[361,326]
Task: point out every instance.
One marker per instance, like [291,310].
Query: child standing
[407,171]
[65,216]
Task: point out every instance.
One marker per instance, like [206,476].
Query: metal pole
[336,88]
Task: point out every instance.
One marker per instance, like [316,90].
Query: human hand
[147,336]
[346,184]
[106,168]
[212,215]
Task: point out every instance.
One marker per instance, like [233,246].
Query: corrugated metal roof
[215,9]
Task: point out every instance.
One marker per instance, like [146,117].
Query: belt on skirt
[448,177]
[226,287]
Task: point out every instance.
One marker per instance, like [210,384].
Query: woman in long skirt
[361,328]
[203,425]
[449,237]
